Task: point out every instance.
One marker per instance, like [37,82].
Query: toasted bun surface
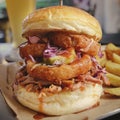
[64,102]
[62,18]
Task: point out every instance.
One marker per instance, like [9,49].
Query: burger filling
[56,49]
[53,56]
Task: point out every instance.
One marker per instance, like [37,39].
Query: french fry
[114,79]
[113,67]
[110,49]
[113,91]
[116,58]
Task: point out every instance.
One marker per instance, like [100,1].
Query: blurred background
[106,11]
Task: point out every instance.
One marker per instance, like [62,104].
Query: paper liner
[108,105]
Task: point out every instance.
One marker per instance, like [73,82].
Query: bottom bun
[65,102]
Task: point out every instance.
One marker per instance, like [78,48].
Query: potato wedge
[114,79]
[116,58]
[113,67]
[110,49]
[112,91]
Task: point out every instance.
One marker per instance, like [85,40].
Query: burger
[60,75]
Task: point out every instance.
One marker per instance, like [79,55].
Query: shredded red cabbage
[79,54]
[99,69]
[99,72]
[50,51]
[100,54]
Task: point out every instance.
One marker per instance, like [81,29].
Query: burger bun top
[62,18]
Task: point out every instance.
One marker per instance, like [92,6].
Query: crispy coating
[64,40]
[35,50]
[79,42]
[62,72]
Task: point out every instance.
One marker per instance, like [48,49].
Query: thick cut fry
[116,58]
[113,67]
[110,49]
[113,91]
[114,79]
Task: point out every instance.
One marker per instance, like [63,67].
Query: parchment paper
[108,105]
